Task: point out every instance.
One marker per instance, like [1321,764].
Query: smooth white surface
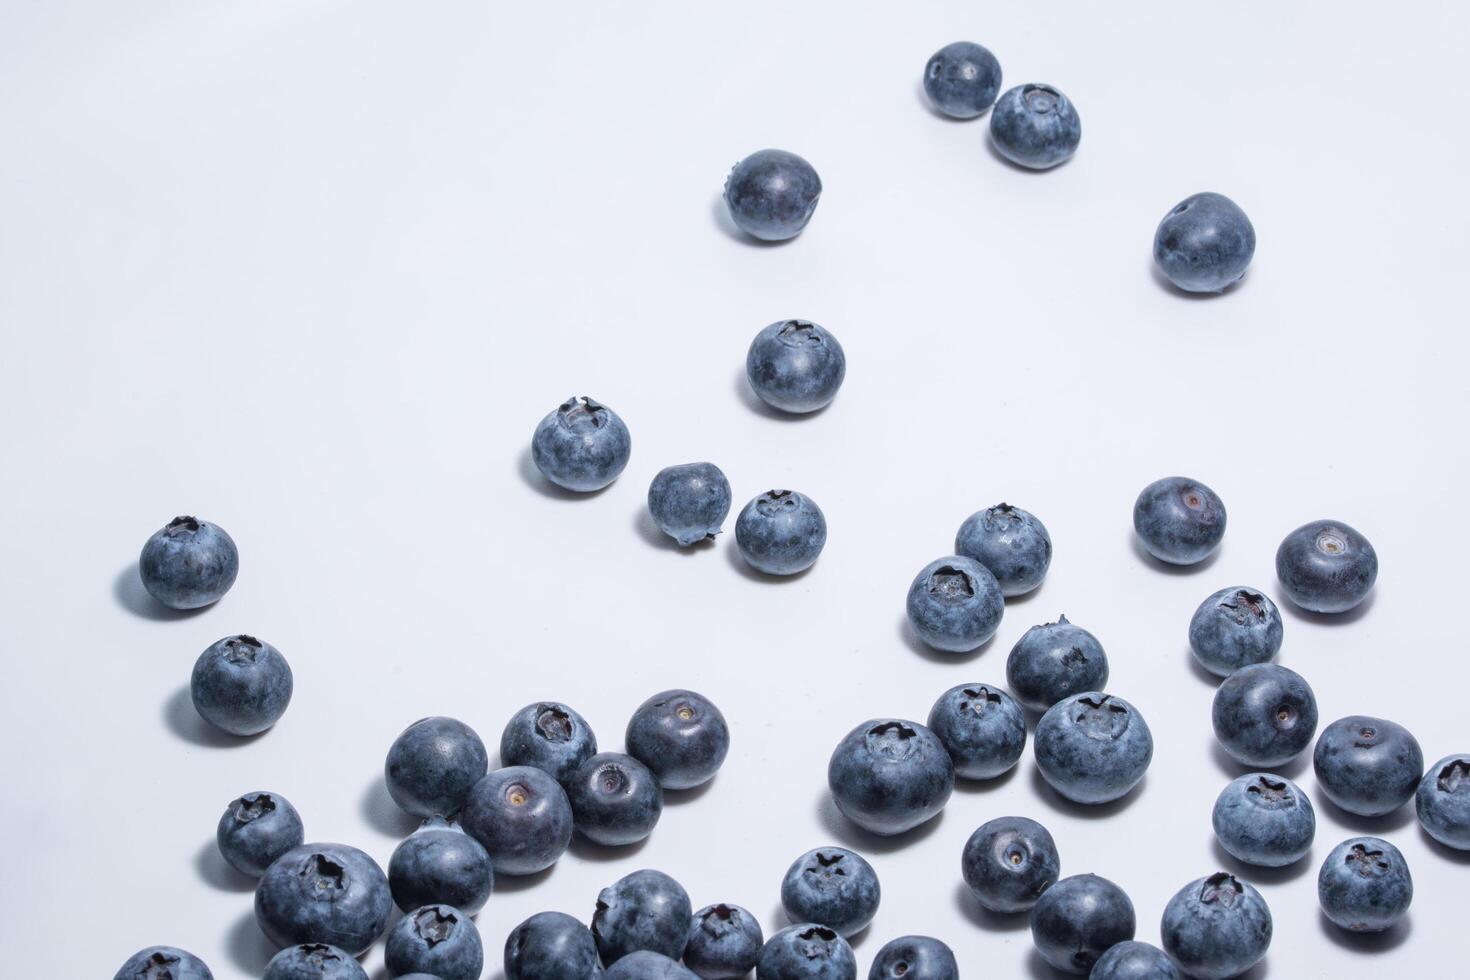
[315,270]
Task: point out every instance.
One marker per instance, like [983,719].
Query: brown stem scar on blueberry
[1269,790]
[182,525]
[517,794]
[1455,776]
[328,873]
[553,724]
[1221,888]
[434,925]
[951,583]
[818,932]
[1369,863]
[248,808]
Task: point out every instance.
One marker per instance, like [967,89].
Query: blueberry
[581,446]
[1364,885]
[550,736]
[163,963]
[1367,766]
[1078,919]
[1035,126]
[954,604]
[962,79]
[313,961]
[806,952]
[781,532]
[1093,747]
[914,958]
[1134,960]
[1179,520]
[440,864]
[324,893]
[615,799]
[1235,628]
[1009,541]
[1008,862]
[645,964]
[241,685]
[771,194]
[551,946]
[437,939]
[1204,243]
[1054,661]
[795,366]
[689,502]
[432,766]
[1264,715]
[1326,567]
[680,736]
[982,728]
[889,776]
[831,886]
[1443,801]
[724,942]
[643,910]
[1264,819]
[521,816]
[256,829]
[189,563]
[1216,927]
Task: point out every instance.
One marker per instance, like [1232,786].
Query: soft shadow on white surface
[181,717]
[129,592]
[1367,943]
[1199,670]
[1100,811]
[1256,874]
[1169,287]
[1325,619]
[248,947]
[738,562]
[1170,569]
[382,814]
[519,883]
[1362,826]
[855,838]
[216,871]
[753,402]
[1231,769]
[979,787]
[727,224]
[679,797]
[1441,851]
[587,850]
[982,917]
[646,529]
[912,641]
[536,480]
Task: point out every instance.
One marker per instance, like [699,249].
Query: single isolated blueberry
[1216,927]
[806,952]
[440,864]
[1009,541]
[680,736]
[1204,243]
[1264,715]
[781,532]
[1326,567]
[1235,628]
[1035,126]
[550,736]
[962,79]
[1054,661]
[1367,766]
[1443,801]
[1093,747]
[771,194]
[1265,820]
[616,799]
[1134,960]
[889,776]
[1008,862]
[241,685]
[724,942]
[189,563]
[314,961]
[551,946]
[982,728]
[433,765]
[914,958]
[324,893]
[955,604]
[689,502]
[256,829]
[439,940]
[1078,919]
[795,366]
[1180,521]
[645,964]
[581,446]
[643,910]
[163,963]
[831,886]
[521,816]
[1364,885]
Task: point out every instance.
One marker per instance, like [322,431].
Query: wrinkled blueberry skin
[440,864]
[795,366]
[256,829]
[241,685]
[831,886]
[616,799]
[1364,885]
[1264,715]
[962,79]
[724,942]
[1009,541]
[889,776]
[439,940]
[1235,628]
[680,736]
[550,736]
[521,816]
[189,563]
[806,952]
[643,910]
[781,532]
[771,194]
[1367,766]
[1216,927]
[1035,126]
[313,961]
[914,958]
[1265,820]
[324,893]
[955,604]
[158,962]
[1326,567]
[1134,960]
[433,764]
[1179,520]
[582,446]
[551,946]
[1204,243]
[1443,801]
[1008,862]
[645,964]
[982,728]
[1093,747]
[1078,919]
[689,502]
[1054,661]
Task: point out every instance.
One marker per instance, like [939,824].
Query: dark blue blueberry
[643,910]
[256,829]
[1035,126]
[689,502]
[888,776]
[795,366]
[954,604]
[771,194]
[645,964]
[1093,747]
[962,79]
[1326,567]
[1264,819]
[1364,885]
[806,952]
[1216,927]
[1204,243]
[1179,520]
[439,940]
[189,563]
[432,766]
[615,799]
[1133,960]
[1443,801]
[313,961]
[550,736]
[1235,628]
[163,963]
[1008,862]
[551,946]
[781,532]
[241,685]
[440,864]
[1054,661]
[914,958]
[982,728]
[1265,715]
[324,893]
[581,446]
[1009,541]
[521,816]
[831,886]
[1078,919]
[724,942]
[1367,766]
[680,736]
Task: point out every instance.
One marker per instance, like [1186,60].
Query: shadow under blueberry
[1365,826]
[589,850]
[924,101]
[1039,969]
[383,815]
[216,871]
[520,883]
[721,214]
[1443,851]
[1325,619]
[849,835]
[752,401]
[181,717]
[979,787]
[651,533]
[983,918]
[995,152]
[1366,942]
[738,562]
[129,592]
[1200,670]
[1087,811]
[912,641]
[1169,287]
[678,797]
[537,481]
[248,947]
[1171,569]
[1257,874]
[1292,769]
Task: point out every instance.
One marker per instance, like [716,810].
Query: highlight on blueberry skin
[324,893]
[1180,521]
[781,532]
[1078,919]
[1134,960]
[680,736]
[163,961]
[1442,801]
[914,958]
[256,829]
[643,910]
[1264,715]
[1204,243]
[834,887]
[522,818]
[439,940]
[954,604]
[807,951]
[548,735]
[581,446]
[645,964]
[432,766]
[1365,885]
[1326,567]
[1093,748]
[889,776]
[1235,628]
[440,864]
[314,961]
[772,194]
[1367,766]
[982,727]
[724,942]
[189,563]
[1054,661]
[689,502]
[1216,927]
[1009,862]
[1009,541]
[795,366]
[962,80]
[1264,819]
[1035,126]
[551,946]
[241,685]
[616,800]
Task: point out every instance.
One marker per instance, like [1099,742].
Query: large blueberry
[806,952]
[1008,862]
[1235,628]
[440,864]
[1009,541]
[914,958]
[314,961]
[795,366]
[724,942]
[1093,747]
[1055,661]
[962,79]
[550,736]
[1035,126]
[324,893]
[771,194]
[521,816]
[689,502]
[1264,819]
[1264,715]
[581,446]
[1367,766]
[433,764]
[241,685]
[1326,566]
[1443,801]
[551,946]
[643,910]
[163,963]
[1078,919]
[189,563]
[1133,960]
[888,776]
[439,940]
[645,964]
[982,728]
[831,886]
[256,829]
[615,799]
[1179,520]
[680,736]
[1216,927]
[1204,243]
[954,604]
[781,532]
[1364,885]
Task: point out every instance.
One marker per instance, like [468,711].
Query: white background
[314,270]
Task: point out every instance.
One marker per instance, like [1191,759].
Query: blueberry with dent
[1134,960]
[1442,801]
[1009,541]
[724,942]
[521,816]
[440,864]
[1093,748]
[1365,885]
[1326,567]
[314,961]
[1008,862]
[1216,927]
[1180,521]
[806,952]
[982,728]
[189,563]
[1054,661]
[795,366]
[581,446]
[1205,243]
[1264,715]
[1265,820]
[439,940]
[914,958]
[241,685]
[772,194]
[256,829]
[1367,766]
[781,532]
[1078,919]
[163,963]
[889,776]
[551,946]
[689,502]
[616,799]
[550,736]
[643,910]
[962,80]
[324,893]
[1235,628]
[955,604]
[680,736]
[432,766]
[834,887]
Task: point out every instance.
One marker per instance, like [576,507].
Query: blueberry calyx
[1040,98]
[253,807]
[181,525]
[978,698]
[580,411]
[553,724]
[1269,791]
[242,649]
[800,333]
[1221,888]
[1100,717]
[611,779]
[772,502]
[1245,602]
[1367,863]
[434,926]
[1454,776]
[329,875]
[951,584]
